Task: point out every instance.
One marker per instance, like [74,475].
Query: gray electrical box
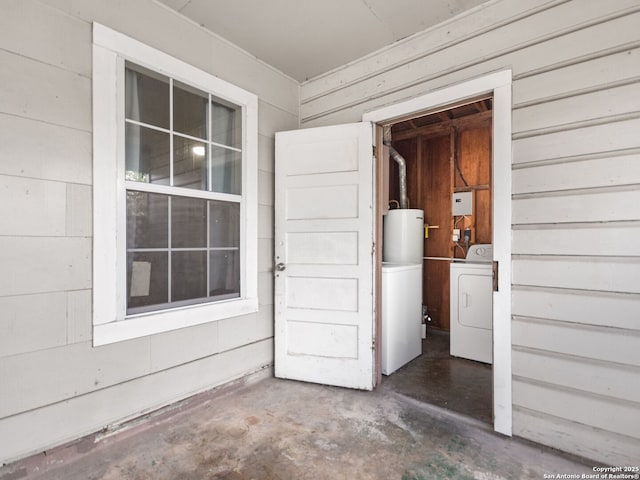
[462,204]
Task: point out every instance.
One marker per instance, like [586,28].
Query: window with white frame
[175,168]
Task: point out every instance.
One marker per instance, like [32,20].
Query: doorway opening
[448,177]
[492,93]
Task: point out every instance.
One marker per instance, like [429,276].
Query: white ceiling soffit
[305,38]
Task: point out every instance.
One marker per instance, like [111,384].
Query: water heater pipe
[402,167]
[402,174]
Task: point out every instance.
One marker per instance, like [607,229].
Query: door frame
[499,85]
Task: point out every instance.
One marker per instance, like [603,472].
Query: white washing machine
[472,305]
[401,315]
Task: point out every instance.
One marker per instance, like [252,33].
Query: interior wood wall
[431,181]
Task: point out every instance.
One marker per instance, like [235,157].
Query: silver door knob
[281,267]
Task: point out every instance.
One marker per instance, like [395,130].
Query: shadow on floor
[436,378]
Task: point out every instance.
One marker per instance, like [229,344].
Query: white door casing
[324,257]
[498,84]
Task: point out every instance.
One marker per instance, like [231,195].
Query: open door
[324,256]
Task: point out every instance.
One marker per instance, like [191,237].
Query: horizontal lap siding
[532,47]
[55,385]
[576,197]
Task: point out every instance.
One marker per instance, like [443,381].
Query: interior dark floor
[436,378]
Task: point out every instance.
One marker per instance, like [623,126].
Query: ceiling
[441,121]
[304,38]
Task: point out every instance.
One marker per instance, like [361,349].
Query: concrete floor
[277,429]
[457,384]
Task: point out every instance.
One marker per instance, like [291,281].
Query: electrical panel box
[462,203]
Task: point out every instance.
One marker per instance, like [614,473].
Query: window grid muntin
[183,135]
[171,131]
[207,194]
[169,250]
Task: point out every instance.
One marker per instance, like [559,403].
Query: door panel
[475,305]
[324,250]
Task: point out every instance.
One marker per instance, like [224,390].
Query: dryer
[472,305]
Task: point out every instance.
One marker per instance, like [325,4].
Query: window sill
[152,323]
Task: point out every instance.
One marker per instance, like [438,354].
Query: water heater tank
[403,240]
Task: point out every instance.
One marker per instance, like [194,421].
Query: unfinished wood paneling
[436,158]
[436,297]
[474,159]
[431,180]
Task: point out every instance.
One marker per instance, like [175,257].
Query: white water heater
[403,236]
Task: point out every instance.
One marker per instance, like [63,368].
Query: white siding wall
[576,186]
[54,386]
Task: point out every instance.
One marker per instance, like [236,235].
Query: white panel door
[324,263]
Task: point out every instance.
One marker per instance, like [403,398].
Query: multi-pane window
[175,207]
[183,181]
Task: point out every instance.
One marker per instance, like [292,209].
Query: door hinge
[495,276]
[374,150]
[373,248]
[373,344]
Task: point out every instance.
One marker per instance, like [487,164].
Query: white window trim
[110,323]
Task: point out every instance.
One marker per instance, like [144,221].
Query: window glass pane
[224,224]
[146,96]
[147,220]
[226,170]
[189,163]
[226,123]
[188,222]
[224,273]
[146,155]
[190,110]
[147,282]
[190,246]
[188,275]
